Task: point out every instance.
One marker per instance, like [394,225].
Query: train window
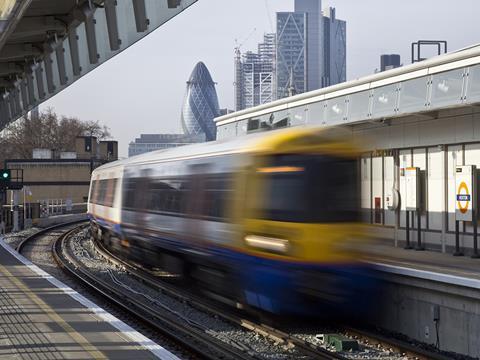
[129,193]
[101,192]
[111,185]
[283,185]
[308,189]
[93,192]
[335,190]
[218,189]
[168,195]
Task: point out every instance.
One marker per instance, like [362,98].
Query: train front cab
[299,231]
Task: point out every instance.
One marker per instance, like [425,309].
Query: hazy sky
[141,90]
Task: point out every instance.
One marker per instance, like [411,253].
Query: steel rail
[398,345]
[19,248]
[303,346]
[196,341]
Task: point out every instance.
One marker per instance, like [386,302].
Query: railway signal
[5,178]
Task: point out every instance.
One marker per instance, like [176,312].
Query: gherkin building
[200,105]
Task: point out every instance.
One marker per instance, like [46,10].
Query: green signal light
[5,175]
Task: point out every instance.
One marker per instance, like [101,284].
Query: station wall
[436,144]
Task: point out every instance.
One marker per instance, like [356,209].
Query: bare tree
[47,131]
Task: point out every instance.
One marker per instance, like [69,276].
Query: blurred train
[268,220]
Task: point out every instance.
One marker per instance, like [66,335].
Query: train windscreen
[298,188]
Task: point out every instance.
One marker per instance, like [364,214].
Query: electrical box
[412,188]
[465,191]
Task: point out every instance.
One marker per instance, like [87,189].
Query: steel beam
[40,83]
[74,52]
[47,60]
[112,24]
[10,68]
[30,86]
[62,70]
[140,12]
[39,25]
[18,52]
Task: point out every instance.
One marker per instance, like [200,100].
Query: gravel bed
[39,253]
[367,351]
[13,239]
[84,250]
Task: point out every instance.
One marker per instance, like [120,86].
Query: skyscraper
[311,48]
[389,61]
[254,75]
[200,105]
[314,42]
[291,66]
[335,49]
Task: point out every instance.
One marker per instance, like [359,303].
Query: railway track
[193,336]
[188,335]
[200,336]
[407,349]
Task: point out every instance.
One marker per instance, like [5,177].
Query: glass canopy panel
[242,127]
[336,110]
[447,88]
[384,101]
[413,95]
[316,112]
[359,106]
[298,115]
[473,89]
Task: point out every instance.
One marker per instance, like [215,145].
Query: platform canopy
[46,45]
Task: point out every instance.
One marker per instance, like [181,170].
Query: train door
[195,231]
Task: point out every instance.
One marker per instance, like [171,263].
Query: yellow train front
[269,221]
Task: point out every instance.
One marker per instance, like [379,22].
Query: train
[269,221]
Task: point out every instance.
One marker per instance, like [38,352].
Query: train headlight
[268,243]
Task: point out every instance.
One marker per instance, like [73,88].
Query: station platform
[42,318]
[425,264]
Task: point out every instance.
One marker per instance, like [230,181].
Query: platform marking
[428,275]
[76,336]
[159,351]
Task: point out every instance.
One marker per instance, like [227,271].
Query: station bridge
[425,116]
[46,45]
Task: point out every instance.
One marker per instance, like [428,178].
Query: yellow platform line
[53,315]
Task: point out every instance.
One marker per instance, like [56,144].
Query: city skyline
[135,102]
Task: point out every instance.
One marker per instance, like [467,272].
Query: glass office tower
[200,105]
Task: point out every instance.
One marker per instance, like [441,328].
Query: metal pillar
[457,239]
[16,225]
[475,254]
[407,230]
[419,246]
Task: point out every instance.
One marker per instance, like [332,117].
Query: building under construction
[255,74]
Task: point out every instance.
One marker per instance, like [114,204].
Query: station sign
[465,192]
[412,188]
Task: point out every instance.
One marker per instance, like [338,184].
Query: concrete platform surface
[42,318]
[427,264]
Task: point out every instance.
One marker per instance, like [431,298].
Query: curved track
[188,335]
[310,350]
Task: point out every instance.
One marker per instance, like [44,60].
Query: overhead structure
[46,45]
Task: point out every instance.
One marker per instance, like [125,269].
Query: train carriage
[265,220]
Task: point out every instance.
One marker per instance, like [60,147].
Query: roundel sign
[464,192]
[463,197]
